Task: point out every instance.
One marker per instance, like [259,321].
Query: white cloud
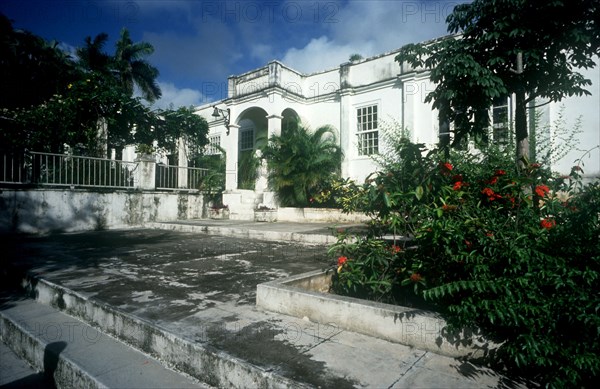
[369,28]
[171,95]
[320,54]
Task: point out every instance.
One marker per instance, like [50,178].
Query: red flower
[500,172]
[457,177]
[542,190]
[415,277]
[395,249]
[468,244]
[548,223]
[489,192]
[458,185]
[493,180]
[446,168]
[342,260]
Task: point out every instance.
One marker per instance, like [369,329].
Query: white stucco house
[358,99]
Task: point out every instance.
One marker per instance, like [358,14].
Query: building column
[347,134]
[274,125]
[231,157]
[182,162]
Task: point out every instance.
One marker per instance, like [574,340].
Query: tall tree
[31,69]
[529,48]
[132,69]
[92,56]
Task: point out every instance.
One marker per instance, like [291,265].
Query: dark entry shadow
[51,355]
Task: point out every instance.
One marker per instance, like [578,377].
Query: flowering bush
[513,252]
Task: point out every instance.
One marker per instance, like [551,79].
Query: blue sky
[198,44]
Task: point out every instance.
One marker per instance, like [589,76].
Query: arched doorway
[252,131]
[290,119]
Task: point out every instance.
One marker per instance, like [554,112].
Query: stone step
[200,361]
[73,354]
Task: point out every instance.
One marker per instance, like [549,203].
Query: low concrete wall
[325,215]
[45,210]
[306,296]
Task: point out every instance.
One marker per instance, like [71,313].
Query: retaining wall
[46,210]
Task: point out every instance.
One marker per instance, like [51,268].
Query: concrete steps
[73,354]
[60,319]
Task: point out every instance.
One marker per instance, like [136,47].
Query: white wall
[46,210]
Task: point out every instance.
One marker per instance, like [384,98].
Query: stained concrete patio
[201,287]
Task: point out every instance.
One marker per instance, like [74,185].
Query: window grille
[213,146]
[246,139]
[367,130]
[500,119]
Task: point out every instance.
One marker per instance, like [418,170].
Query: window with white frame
[500,121]
[367,130]
[214,145]
[246,139]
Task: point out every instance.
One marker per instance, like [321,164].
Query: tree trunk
[521,129]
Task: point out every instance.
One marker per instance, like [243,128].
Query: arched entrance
[252,131]
[290,119]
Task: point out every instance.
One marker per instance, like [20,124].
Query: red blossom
[548,223]
[500,172]
[468,244]
[415,277]
[489,192]
[457,177]
[542,190]
[446,168]
[448,208]
[492,180]
[342,260]
[395,249]
[458,185]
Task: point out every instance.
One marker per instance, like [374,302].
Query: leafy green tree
[133,69]
[184,124]
[531,48]
[31,69]
[299,160]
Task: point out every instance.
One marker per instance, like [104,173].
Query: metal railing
[170,177]
[49,169]
[66,170]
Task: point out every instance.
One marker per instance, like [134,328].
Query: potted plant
[265,214]
[218,211]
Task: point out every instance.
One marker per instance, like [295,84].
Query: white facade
[261,101]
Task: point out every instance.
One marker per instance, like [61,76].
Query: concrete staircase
[242,203]
[73,354]
[82,343]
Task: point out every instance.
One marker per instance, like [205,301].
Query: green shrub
[300,161]
[513,252]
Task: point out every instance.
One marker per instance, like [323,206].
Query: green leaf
[419,192]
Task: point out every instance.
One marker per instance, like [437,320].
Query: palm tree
[92,57]
[298,161]
[132,69]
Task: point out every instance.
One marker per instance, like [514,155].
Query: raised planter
[269,215]
[306,296]
[218,213]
